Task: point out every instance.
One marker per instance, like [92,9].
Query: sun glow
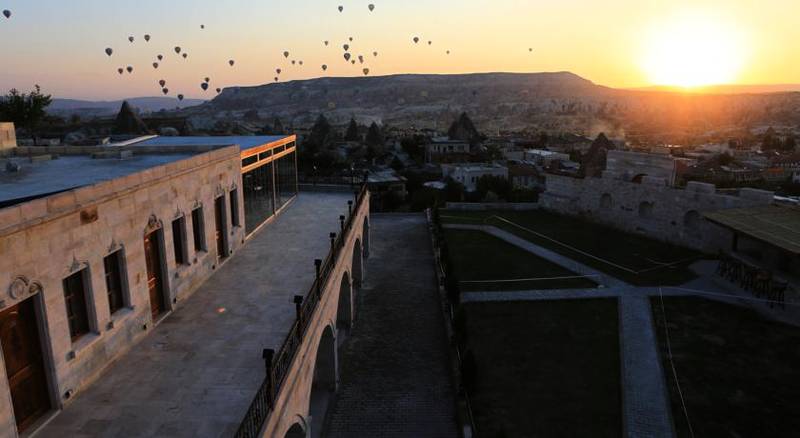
[693,51]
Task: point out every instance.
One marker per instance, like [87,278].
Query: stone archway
[344,312]
[358,265]
[296,431]
[365,237]
[326,376]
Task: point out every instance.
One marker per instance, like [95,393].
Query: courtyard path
[395,380]
[645,399]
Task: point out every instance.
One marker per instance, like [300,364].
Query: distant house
[443,150]
[469,174]
[525,176]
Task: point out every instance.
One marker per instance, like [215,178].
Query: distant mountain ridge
[111,107]
[730,89]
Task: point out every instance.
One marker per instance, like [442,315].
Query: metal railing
[279,363]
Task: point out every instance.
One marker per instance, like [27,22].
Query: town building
[444,150]
[108,240]
[541,157]
[469,174]
[525,175]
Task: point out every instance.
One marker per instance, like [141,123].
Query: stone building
[469,174]
[98,244]
[650,207]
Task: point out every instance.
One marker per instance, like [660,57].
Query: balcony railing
[279,363]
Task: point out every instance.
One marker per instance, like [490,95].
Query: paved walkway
[646,404]
[196,373]
[395,380]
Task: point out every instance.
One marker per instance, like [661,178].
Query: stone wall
[8,138]
[44,241]
[650,208]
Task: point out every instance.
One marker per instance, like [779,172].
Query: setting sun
[693,51]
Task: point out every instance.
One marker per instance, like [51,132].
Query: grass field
[737,370]
[645,257]
[480,256]
[546,368]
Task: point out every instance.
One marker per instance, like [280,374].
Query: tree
[374,140]
[25,110]
[494,184]
[352,131]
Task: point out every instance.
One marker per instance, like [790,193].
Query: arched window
[646,210]
[606,202]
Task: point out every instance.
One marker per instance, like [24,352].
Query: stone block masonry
[655,210]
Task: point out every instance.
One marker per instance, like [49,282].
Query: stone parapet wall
[655,210]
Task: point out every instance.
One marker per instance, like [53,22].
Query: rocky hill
[494,101]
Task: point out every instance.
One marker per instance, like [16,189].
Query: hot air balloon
[162,83]
[285,54]
[361,59]
[160,57]
[178,50]
[300,62]
[530,49]
[375,54]
[120,70]
[7,13]
[165,91]
[130,38]
[109,51]
[351,39]
[416,40]
[202,26]
[219,90]
[208,80]
[346,47]
[324,67]
[185,55]
[366,71]
[448,52]
[371,7]
[278,71]
[231,62]
[341,8]
[276,79]
[294,62]
[130,69]
[346,56]
[326,42]
[353,62]
[430,42]
[204,86]
[147,38]
[155,65]
[180,97]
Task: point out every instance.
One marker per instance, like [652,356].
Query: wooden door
[152,254]
[219,219]
[22,351]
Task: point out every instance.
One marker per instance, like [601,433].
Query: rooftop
[39,177]
[777,225]
[244,142]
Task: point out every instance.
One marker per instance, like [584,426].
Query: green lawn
[546,368]
[631,251]
[738,371]
[479,256]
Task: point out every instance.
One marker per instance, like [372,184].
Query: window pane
[74,297]
[197,230]
[114,283]
[178,240]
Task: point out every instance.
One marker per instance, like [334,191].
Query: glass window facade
[267,188]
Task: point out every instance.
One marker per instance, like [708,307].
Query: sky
[60,44]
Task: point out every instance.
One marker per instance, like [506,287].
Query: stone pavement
[646,404]
[196,373]
[395,380]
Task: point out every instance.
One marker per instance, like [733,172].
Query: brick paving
[394,375]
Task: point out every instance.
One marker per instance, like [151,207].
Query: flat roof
[777,225]
[37,179]
[244,142]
